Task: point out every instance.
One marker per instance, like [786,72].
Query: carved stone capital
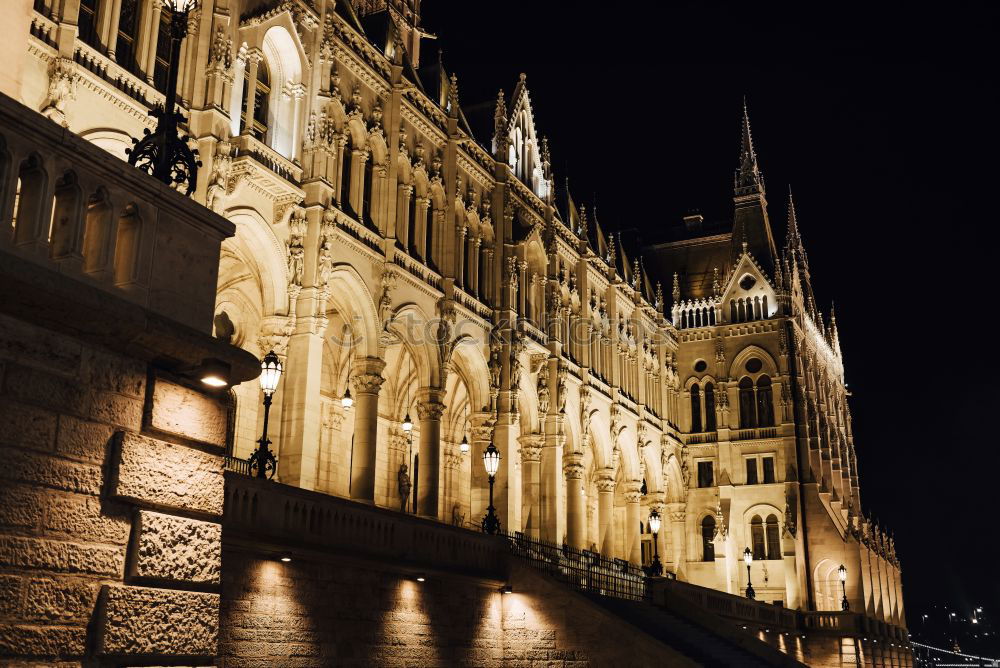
[632,490]
[531,447]
[367,377]
[430,408]
[605,480]
[573,467]
[677,511]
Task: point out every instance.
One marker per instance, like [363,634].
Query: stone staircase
[705,646]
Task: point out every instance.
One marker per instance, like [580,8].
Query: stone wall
[313,612]
[110,544]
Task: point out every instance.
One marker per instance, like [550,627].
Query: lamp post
[842,574]
[655,568]
[748,559]
[263,460]
[164,154]
[491,460]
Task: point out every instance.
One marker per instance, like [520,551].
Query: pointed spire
[748,177]
[612,258]
[500,127]
[453,95]
[635,273]
[659,298]
[792,238]
[676,294]
[716,285]
[834,332]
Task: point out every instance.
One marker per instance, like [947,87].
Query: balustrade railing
[268,157]
[582,569]
[754,434]
[702,437]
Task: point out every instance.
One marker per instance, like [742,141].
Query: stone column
[399,442]
[605,480]
[152,36]
[366,381]
[253,59]
[429,410]
[531,511]
[677,513]
[633,521]
[550,481]
[300,416]
[452,476]
[576,501]
[298,92]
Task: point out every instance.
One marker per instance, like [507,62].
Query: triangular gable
[524,151]
[748,281]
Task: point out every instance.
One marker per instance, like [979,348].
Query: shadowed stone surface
[177,548]
[142,621]
[164,474]
[184,412]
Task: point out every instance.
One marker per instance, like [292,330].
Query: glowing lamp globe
[491,460]
[270,373]
[464,445]
[180,5]
[747,556]
[842,573]
[654,521]
[347,400]
[407,424]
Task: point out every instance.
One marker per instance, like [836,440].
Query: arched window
[695,409]
[261,91]
[757,538]
[345,179]
[763,302]
[429,254]
[732,310]
[773,539]
[748,408]
[366,201]
[412,225]
[162,63]
[709,407]
[765,405]
[742,311]
[707,534]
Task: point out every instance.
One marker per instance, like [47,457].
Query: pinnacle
[792,235]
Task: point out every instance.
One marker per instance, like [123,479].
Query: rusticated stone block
[154,472]
[107,371]
[63,599]
[81,439]
[177,548]
[26,426]
[60,393]
[38,347]
[117,409]
[144,621]
[82,517]
[21,506]
[42,469]
[42,641]
[55,555]
[182,411]
[10,595]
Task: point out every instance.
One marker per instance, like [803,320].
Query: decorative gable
[748,295]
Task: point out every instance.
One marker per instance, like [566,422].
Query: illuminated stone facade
[388,242]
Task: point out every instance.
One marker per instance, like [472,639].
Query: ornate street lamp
[748,559]
[655,568]
[262,460]
[164,154]
[842,574]
[491,460]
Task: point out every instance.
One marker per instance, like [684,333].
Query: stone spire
[676,294]
[834,334]
[792,238]
[749,180]
[453,96]
[500,128]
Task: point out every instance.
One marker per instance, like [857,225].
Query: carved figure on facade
[543,389]
[296,246]
[221,163]
[220,54]
[62,88]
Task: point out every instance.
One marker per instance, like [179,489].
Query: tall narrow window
[162,63]
[757,538]
[765,406]
[366,203]
[707,534]
[431,255]
[412,222]
[261,91]
[768,463]
[128,32]
[705,477]
[751,470]
[748,407]
[709,407]
[345,180]
[87,22]
[773,538]
[695,409]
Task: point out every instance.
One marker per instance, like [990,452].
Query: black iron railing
[583,569]
[237,465]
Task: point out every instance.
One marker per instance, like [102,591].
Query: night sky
[885,126]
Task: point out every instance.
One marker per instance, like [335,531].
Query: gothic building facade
[416,256]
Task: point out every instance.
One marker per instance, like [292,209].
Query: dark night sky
[885,125]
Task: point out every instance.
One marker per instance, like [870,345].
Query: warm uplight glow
[491,460]
[407,424]
[270,373]
[747,556]
[347,400]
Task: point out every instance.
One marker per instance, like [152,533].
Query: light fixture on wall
[262,462]
[491,460]
[214,373]
[407,423]
[420,577]
[655,568]
[748,559]
[842,574]
[463,447]
[506,589]
[285,557]
[164,154]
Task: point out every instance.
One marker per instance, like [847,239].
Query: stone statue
[404,486]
